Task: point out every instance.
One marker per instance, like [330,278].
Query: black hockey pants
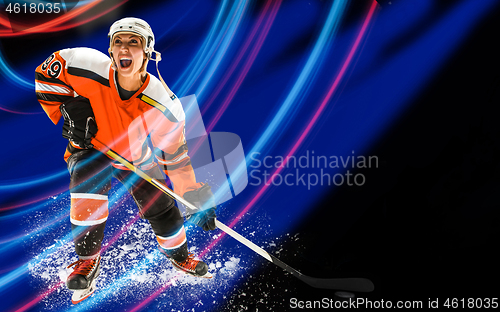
[91,174]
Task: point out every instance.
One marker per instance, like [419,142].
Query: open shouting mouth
[125,63]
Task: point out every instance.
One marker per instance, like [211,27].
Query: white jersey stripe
[175,160]
[147,166]
[40,86]
[89,196]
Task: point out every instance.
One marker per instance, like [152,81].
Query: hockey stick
[349,284]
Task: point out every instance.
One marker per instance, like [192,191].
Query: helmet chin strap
[157,59]
[113,64]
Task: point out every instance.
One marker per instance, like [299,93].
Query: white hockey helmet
[137,26]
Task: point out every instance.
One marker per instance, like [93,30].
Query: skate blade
[207,275]
[82,294]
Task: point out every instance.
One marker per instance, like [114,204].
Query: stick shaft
[151,180]
[171,193]
[243,240]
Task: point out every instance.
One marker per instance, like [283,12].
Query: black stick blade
[350,284]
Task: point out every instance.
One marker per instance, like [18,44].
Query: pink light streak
[235,63]
[253,54]
[244,50]
[24,235]
[214,52]
[39,297]
[16,112]
[51,25]
[25,203]
[47,26]
[32,201]
[113,239]
[156,293]
[311,123]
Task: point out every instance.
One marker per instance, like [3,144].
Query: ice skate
[83,278]
[190,266]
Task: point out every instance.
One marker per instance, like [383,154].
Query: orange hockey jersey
[124,126]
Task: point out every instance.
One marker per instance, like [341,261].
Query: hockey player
[112,102]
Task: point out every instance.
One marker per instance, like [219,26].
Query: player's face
[128,54]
